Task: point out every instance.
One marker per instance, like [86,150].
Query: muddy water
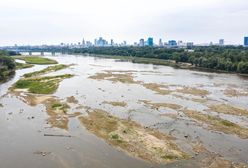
[22,127]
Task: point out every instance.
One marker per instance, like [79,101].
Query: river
[22,127]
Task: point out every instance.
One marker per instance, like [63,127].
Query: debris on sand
[116,103]
[58,135]
[72,99]
[131,137]
[42,153]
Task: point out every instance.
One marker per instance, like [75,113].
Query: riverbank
[154,61]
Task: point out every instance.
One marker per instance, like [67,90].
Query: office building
[189,44]
[101,42]
[180,43]
[246,41]
[112,42]
[150,41]
[172,43]
[83,43]
[142,43]
[221,42]
[160,43]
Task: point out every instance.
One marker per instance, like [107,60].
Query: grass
[228,109]
[235,93]
[23,66]
[218,124]
[158,88]
[193,91]
[161,105]
[115,77]
[46,70]
[60,106]
[41,85]
[37,60]
[144,143]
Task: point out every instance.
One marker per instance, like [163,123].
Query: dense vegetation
[7,65]
[41,85]
[228,58]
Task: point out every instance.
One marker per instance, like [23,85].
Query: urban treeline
[224,58]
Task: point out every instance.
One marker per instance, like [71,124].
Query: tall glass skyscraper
[246,41]
[150,41]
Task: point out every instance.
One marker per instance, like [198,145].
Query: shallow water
[22,136]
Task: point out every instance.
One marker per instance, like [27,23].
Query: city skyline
[150,41]
[40,22]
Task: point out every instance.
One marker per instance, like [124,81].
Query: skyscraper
[150,41]
[112,42]
[221,42]
[246,41]
[142,43]
[83,43]
[189,44]
[160,43]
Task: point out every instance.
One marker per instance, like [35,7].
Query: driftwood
[54,135]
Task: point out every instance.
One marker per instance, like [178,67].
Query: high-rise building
[124,43]
[221,42]
[246,41]
[189,44]
[172,43]
[112,42]
[83,43]
[142,43]
[95,42]
[101,42]
[150,41]
[180,43]
[160,43]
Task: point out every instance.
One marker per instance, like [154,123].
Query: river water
[22,127]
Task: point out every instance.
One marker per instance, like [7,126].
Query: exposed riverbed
[204,115]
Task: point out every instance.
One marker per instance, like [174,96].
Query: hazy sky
[55,21]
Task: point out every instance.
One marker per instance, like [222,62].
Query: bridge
[38,51]
[41,53]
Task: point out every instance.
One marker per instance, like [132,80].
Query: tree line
[226,58]
[7,64]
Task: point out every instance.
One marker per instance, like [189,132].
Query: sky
[37,22]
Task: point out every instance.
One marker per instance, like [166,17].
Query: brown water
[22,137]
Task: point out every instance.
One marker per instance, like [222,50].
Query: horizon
[45,22]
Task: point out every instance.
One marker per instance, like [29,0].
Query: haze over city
[52,22]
